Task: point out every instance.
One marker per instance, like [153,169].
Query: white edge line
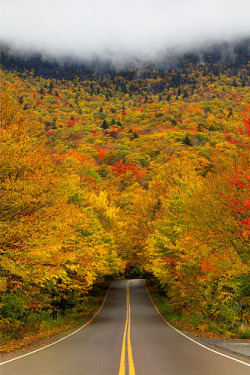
[189,338]
[64,338]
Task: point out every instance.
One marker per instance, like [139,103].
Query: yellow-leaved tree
[52,241]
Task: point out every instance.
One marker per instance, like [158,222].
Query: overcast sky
[121,28]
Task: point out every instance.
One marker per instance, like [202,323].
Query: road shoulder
[240,348]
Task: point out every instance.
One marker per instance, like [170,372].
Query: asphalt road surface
[128,337]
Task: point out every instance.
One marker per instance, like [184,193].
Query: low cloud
[121,29]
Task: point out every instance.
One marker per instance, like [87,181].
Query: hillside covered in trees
[106,171]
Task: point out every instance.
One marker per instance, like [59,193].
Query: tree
[105,125]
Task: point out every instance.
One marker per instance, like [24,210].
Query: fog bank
[121,29]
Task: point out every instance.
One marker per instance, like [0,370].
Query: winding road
[128,337]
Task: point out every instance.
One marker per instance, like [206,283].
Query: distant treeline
[232,56]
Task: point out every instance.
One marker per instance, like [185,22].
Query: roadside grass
[42,326]
[194,323]
[244,331]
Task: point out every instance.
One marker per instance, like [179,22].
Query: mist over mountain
[121,31]
[218,57]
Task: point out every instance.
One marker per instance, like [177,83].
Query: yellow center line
[126,334]
[130,355]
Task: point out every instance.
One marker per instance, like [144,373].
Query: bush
[13,305]
[244,331]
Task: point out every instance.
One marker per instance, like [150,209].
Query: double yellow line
[126,335]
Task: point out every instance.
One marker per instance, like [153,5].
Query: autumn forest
[126,172]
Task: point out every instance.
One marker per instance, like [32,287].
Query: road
[128,337]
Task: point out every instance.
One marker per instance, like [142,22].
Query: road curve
[128,337]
